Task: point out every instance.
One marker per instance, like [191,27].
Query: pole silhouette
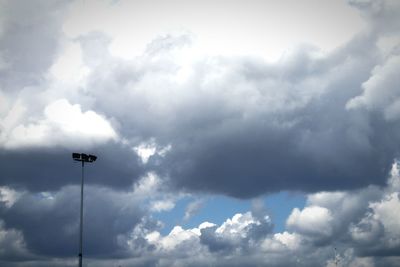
[82,158]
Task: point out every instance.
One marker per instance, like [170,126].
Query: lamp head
[76,156]
[83,157]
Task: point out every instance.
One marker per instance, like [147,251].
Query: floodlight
[83,157]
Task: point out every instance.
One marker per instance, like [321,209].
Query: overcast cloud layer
[175,120]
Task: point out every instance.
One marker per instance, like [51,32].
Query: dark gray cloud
[237,126]
[50,169]
[239,122]
[52,227]
[290,128]
[12,246]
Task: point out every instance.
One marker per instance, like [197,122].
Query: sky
[228,133]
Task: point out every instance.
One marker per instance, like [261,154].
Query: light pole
[82,158]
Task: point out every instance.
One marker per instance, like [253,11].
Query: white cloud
[69,67]
[8,196]
[313,220]
[370,216]
[63,124]
[192,208]
[381,90]
[290,240]
[147,149]
[231,233]
[229,29]
[281,243]
[71,120]
[367,231]
[237,225]
[162,205]
[150,188]
[379,229]
[12,117]
[148,184]
[388,212]
[177,236]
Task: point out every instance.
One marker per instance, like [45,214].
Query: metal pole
[81,223]
[82,158]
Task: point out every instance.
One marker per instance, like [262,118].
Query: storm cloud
[307,122]
[171,120]
[294,125]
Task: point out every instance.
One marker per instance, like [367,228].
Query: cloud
[209,238]
[361,224]
[242,129]
[172,121]
[378,232]
[380,91]
[54,216]
[63,125]
[226,125]
[148,149]
[238,233]
[28,42]
[8,196]
[364,220]
[356,223]
[49,169]
[257,118]
[158,197]
[12,244]
[382,15]
[312,220]
[192,208]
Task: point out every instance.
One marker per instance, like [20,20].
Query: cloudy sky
[228,133]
